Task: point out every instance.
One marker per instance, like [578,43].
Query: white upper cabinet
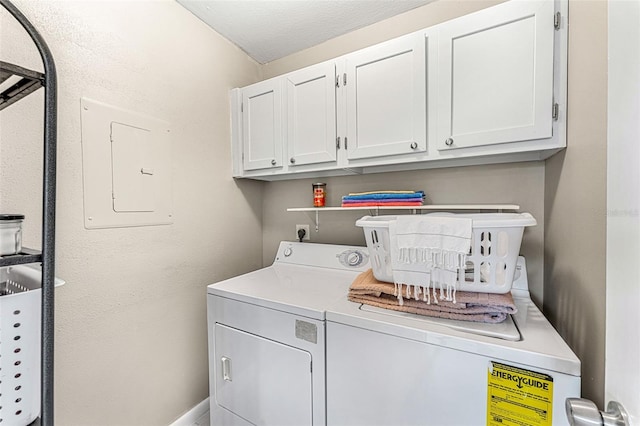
[487,87]
[262,125]
[495,76]
[311,115]
[385,99]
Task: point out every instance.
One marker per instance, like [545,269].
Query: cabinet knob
[448,142]
[292,160]
[273,162]
[414,145]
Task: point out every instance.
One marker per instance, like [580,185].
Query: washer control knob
[287,252]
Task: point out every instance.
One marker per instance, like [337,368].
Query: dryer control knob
[287,252]
[353,258]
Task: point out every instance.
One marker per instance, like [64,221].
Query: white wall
[130,322]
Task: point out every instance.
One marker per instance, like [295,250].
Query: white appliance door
[262,381]
[622,369]
[622,352]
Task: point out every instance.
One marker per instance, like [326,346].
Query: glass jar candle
[319,194]
[10,233]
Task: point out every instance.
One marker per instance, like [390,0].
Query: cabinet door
[386,98]
[311,115]
[262,125]
[262,381]
[496,76]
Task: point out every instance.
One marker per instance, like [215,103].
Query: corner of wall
[575,202]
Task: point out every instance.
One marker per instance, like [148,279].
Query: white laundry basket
[20,300]
[491,263]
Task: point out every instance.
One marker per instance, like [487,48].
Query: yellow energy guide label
[518,397]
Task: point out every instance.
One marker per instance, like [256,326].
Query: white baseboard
[190,417]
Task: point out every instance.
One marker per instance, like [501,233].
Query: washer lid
[540,346]
[506,330]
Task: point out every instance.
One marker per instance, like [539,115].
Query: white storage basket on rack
[20,301]
[491,263]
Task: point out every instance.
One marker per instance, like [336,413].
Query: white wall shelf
[375,210]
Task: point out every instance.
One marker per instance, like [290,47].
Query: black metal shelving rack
[26,82]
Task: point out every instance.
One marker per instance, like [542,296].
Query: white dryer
[267,335]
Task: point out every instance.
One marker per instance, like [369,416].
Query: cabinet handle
[292,160]
[448,142]
[273,162]
[414,145]
[226,368]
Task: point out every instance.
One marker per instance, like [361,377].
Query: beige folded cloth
[469,306]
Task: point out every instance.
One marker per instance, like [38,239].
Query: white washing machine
[390,368]
[269,330]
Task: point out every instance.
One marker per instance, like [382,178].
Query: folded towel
[379,203]
[429,250]
[384,195]
[382,200]
[382,192]
[478,307]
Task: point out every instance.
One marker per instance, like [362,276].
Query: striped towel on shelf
[383,198]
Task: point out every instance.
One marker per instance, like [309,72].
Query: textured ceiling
[271,29]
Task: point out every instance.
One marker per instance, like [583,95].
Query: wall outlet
[307,235]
